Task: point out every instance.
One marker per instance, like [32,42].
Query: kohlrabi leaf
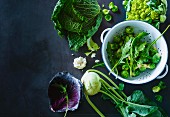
[139,98]
[142,110]
[121,86]
[64,92]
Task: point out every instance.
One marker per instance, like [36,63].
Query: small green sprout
[156,89]
[105,11]
[156,58]
[102,5]
[111,5]
[162,18]
[129,30]
[108,17]
[115,9]
[159,98]
[114,46]
[125,67]
[159,87]
[136,73]
[142,68]
[151,66]
[125,74]
[116,39]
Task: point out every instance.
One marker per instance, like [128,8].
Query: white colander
[161,45]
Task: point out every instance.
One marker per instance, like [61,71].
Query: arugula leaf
[125,54]
[138,37]
[126,48]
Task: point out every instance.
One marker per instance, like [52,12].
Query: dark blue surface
[32,52]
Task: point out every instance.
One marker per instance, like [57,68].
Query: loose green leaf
[162,85]
[159,98]
[92,45]
[88,53]
[111,5]
[121,86]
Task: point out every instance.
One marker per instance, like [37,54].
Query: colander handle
[102,34]
[164,74]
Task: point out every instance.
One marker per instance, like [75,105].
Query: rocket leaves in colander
[128,57]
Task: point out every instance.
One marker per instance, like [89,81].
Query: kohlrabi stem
[93,70]
[111,88]
[106,88]
[93,106]
[109,95]
[113,97]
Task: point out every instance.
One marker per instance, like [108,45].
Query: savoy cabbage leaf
[77,19]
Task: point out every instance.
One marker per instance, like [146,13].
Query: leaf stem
[114,99]
[112,89]
[93,106]
[153,42]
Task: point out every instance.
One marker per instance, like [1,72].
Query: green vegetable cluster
[135,105]
[105,11]
[157,89]
[151,11]
[129,55]
[77,19]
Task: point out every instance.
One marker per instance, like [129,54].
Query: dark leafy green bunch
[77,19]
[129,55]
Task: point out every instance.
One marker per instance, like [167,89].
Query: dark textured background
[31,52]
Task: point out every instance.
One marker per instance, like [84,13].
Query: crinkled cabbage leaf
[77,19]
[64,92]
